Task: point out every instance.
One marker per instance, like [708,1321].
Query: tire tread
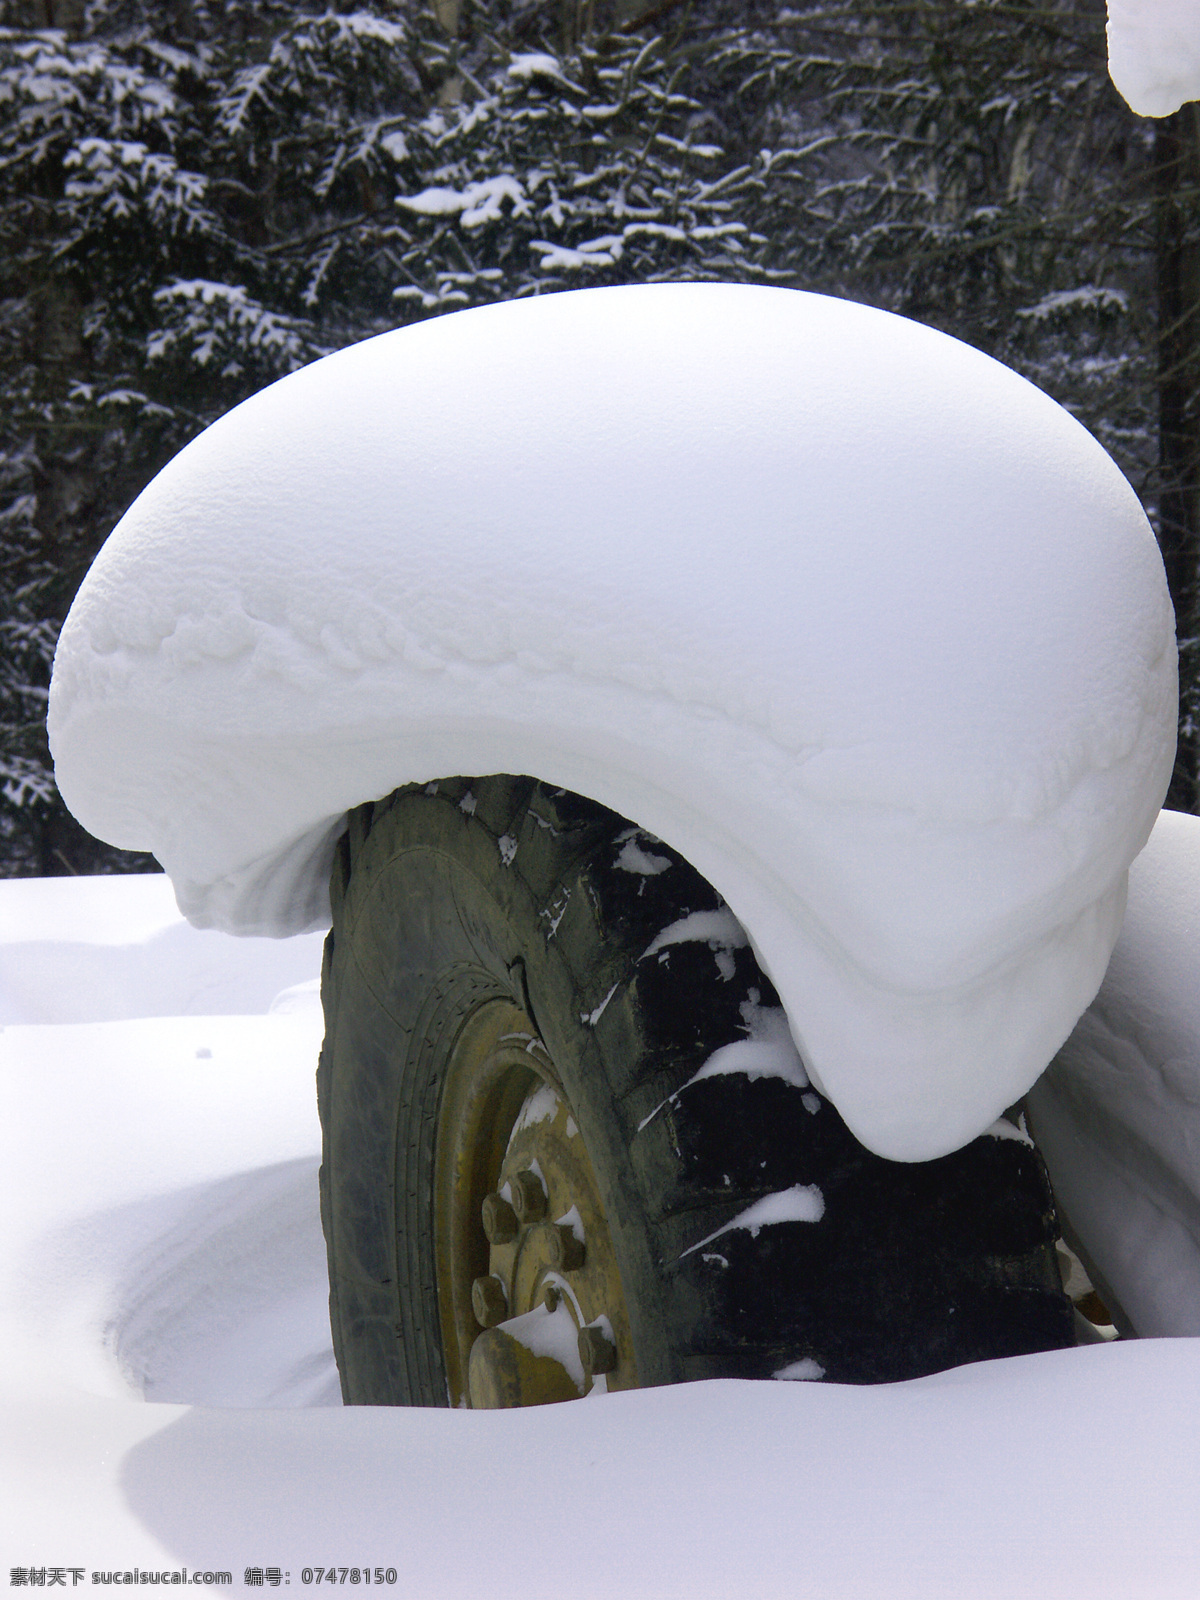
[912,1268]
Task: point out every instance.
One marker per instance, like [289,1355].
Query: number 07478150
[348,1575]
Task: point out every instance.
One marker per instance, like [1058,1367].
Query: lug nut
[499,1220]
[597,1351]
[489,1301]
[560,1247]
[528,1196]
[504,1372]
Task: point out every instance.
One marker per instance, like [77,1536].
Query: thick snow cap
[854,617]
[1154,53]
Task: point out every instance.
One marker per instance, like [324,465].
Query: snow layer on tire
[864,625]
[1117,1115]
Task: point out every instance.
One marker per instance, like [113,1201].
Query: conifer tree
[198,197]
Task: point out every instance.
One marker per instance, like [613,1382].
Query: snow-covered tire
[496,892]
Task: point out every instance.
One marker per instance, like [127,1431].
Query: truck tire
[528,1187]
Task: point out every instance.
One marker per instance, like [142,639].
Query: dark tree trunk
[69,15]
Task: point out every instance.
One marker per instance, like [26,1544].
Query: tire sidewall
[436,925]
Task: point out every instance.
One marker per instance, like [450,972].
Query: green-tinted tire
[456,900]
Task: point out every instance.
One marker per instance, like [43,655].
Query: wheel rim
[529,1288]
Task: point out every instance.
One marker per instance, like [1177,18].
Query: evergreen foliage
[196,198]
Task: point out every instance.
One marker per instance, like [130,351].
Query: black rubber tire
[450,895]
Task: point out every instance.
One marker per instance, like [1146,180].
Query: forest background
[198,196]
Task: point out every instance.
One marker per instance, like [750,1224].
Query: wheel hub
[533,1310]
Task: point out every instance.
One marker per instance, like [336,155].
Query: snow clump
[854,618]
[1154,53]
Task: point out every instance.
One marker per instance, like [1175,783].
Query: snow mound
[162,1242]
[106,949]
[1117,1114]
[864,625]
[1154,53]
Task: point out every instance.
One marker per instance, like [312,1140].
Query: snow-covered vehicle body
[869,629]
[864,627]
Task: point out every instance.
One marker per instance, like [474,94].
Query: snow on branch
[124,176]
[219,324]
[476,204]
[1068,301]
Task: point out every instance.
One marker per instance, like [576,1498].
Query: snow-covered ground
[162,1245]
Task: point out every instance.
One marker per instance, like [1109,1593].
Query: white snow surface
[1154,53]
[161,1244]
[64,958]
[861,623]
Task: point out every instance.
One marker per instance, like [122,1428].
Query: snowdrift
[162,1244]
[863,624]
